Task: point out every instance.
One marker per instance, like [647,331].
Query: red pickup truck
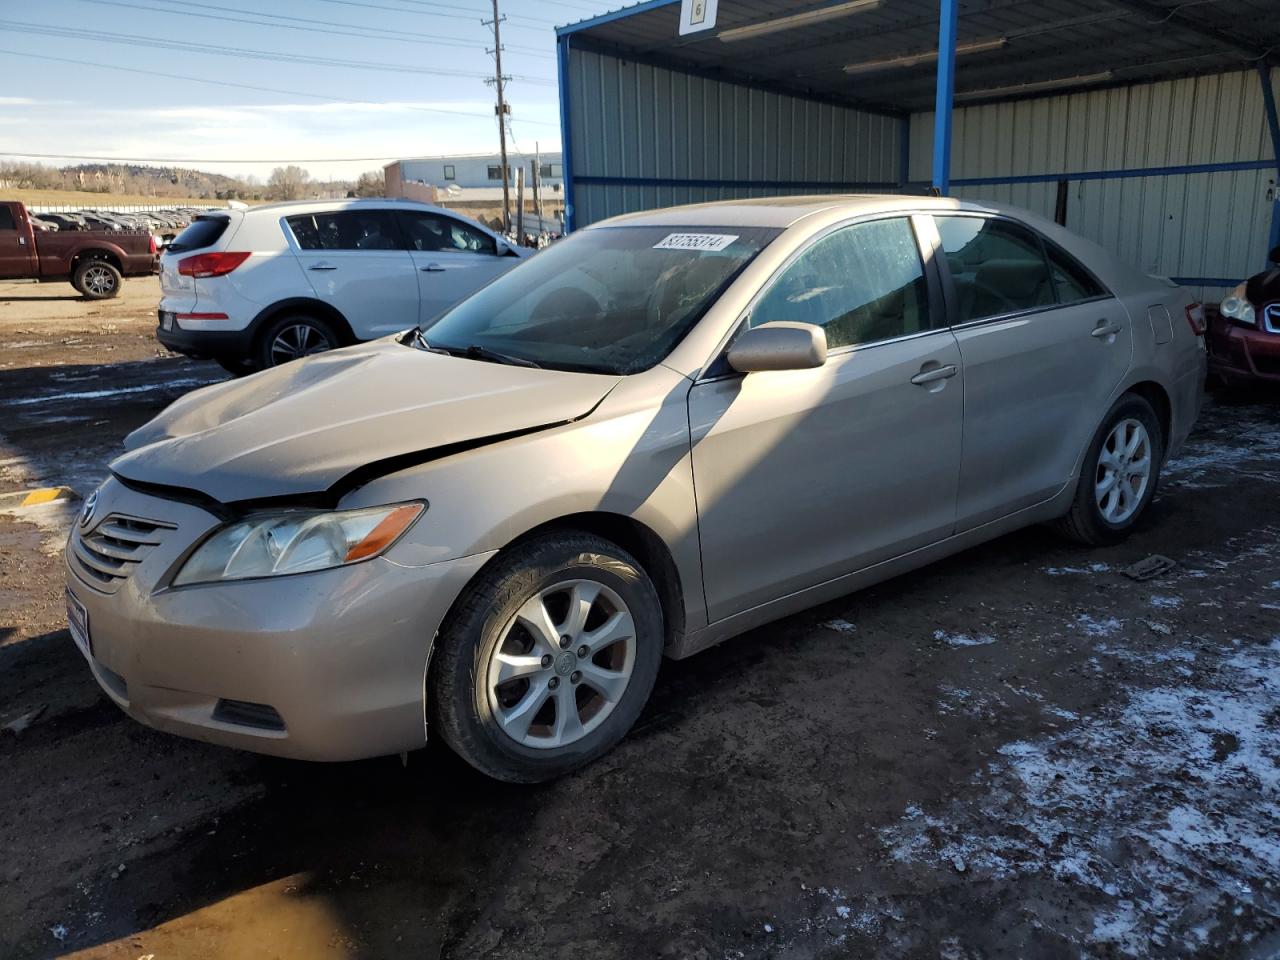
[95,261]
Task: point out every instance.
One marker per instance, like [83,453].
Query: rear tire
[292,337]
[516,620]
[97,279]
[1119,475]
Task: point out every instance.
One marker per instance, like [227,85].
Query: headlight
[296,541]
[1237,306]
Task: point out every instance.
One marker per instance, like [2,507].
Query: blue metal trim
[1204,281]
[1274,240]
[630,11]
[1112,174]
[744,184]
[566,147]
[904,151]
[947,15]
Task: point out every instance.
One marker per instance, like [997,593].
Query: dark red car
[1244,332]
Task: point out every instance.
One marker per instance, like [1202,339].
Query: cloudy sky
[336,86]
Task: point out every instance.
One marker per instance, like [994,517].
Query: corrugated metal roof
[1129,40]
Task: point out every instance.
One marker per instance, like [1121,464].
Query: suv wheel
[97,279]
[1119,475]
[547,659]
[293,337]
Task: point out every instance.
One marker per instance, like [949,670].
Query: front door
[803,476]
[16,253]
[356,262]
[453,259]
[1044,346]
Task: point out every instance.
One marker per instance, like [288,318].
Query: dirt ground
[1016,752]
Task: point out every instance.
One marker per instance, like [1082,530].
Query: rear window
[203,232]
[6,218]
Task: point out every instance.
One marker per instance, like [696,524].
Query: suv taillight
[211,264]
[152,238]
[1195,317]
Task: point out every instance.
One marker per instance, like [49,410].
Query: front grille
[245,714]
[107,554]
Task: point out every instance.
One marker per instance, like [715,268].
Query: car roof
[784,211]
[327,206]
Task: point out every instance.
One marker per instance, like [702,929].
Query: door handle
[322,266]
[433,268]
[925,377]
[1105,329]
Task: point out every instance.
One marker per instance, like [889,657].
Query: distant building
[476,176]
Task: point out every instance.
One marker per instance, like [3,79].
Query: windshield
[609,300]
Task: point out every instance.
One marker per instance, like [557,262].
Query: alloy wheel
[562,665]
[1124,471]
[98,280]
[298,340]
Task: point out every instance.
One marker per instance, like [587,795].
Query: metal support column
[1273,124]
[566,147]
[947,17]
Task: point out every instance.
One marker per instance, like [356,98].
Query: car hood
[307,427]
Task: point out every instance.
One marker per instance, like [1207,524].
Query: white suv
[257,287]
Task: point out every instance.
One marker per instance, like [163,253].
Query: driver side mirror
[779,345]
[504,249]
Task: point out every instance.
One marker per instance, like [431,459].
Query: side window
[862,283]
[346,230]
[997,267]
[434,231]
[449,173]
[1071,281]
[6,218]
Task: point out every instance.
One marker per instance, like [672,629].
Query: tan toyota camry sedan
[664,430]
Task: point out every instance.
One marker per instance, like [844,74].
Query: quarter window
[432,232]
[1071,281]
[449,173]
[6,218]
[861,284]
[346,230]
[997,267]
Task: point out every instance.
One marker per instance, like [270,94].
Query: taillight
[152,238]
[211,264]
[1195,317]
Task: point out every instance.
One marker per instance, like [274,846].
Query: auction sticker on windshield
[695,241]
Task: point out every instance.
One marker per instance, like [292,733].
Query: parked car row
[667,429]
[160,222]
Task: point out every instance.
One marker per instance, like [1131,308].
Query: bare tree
[287,183]
[371,184]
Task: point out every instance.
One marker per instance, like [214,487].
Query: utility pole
[502,111]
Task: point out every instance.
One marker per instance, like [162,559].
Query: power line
[259,89]
[197,160]
[241,52]
[342,29]
[468,13]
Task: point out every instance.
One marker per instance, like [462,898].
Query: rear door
[1044,345]
[453,259]
[803,476]
[17,247]
[355,261]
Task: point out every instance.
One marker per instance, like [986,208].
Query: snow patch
[963,639]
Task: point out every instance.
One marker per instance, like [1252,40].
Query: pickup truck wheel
[97,279]
[292,337]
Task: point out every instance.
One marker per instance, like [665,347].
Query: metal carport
[1147,126]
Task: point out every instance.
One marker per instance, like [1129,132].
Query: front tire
[97,279]
[547,659]
[1119,476]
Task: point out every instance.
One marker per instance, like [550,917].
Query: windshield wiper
[474,352]
[477,352]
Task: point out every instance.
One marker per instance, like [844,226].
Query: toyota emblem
[87,511]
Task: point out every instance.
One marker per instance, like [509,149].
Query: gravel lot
[1016,752]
